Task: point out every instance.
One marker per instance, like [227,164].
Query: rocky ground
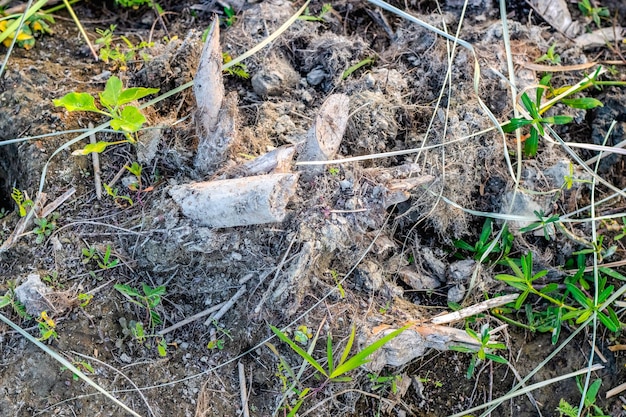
[370,243]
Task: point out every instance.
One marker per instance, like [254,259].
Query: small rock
[316,76]
[461,271]
[371,275]
[33,294]
[125,358]
[274,79]
[418,281]
[456,293]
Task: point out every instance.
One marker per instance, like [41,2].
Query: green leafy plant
[550,56]
[104,260]
[360,64]
[544,222]
[83,366]
[119,53]
[23,203]
[10,299]
[590,408]
[484,351]
[34,25]
[335,275]
[149,299]
[219,342]
[230,18]
[595,13]
[336,370]
[237,70]
[124,117]
[44,228]
[114,193]
[327,7]
[47,327]
[484,245]
[384,383]
[135,4]
[622,233]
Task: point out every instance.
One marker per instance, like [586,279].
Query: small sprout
[550,56]
[22,201]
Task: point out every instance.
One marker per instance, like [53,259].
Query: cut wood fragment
[216,115]
[236,202]
[276,161]
[324,137]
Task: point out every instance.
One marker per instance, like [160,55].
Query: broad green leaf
[496,345]
[532,143]
[460,244]
[553,286]
[77,102]
[520,300]
[486,231]
[584,103]
[160,290]
[496,358]
[545,82]
[361,357]
[559,120]
[97,147]
[472,333]
[130,121]
[612,273]
[579,295]
[509,278]
[156,318]
[127,289]
[135,93]
[299,350]
[612,326]
[530,106]
[515,123]
[110,96]
[592,392]
[462,349]
[571,315]
[5,300]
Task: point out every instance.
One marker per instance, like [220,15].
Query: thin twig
[192,318]
[96,166]
[242,390]
[226,306]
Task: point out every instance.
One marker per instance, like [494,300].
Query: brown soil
[338,225]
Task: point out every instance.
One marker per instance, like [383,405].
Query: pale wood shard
[216,116]
[324,138]
[236,202]
[276,161]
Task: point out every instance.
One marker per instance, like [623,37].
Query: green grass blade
[282,336]
[329,353]
[361,357]
[346,351]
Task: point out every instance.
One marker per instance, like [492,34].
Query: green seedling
[547,224]
[569,180]
[119,54]
[484,351]
[230,18]
[550,56]
[47,327]
[34,25]
[124,117]
[361,63]
[52,279]
[536,122]
[83,366]
[10,299]
[334,171]
[84,299]
[219,342]
[136,4]
[149,300]
[336,370]
[137,331]
[44,228]
[590,408]
[598,248]
[485,246]
[237,70]
[385,383]
[595,13]
[114,192]
[622,233]
[22,201]
[335,276]
[135,169]
[327,7]
[104,260]
[589,306]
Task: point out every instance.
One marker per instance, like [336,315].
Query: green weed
[485,246]
[230,18]
[124,118]
[327,7]
[104,260]
[44,228]
[484,351]
[335,370]
[237,70]
[590,408]
[47,327]
[550,56]
[35,24]
[149,299]
[9,299]
[119,54]
[595,13]
[83,366]
[21,200]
